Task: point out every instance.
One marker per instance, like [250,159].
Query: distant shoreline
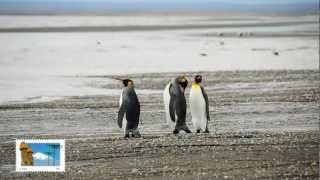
[127,28]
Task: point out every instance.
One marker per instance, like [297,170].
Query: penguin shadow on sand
[176,106]
[129,110]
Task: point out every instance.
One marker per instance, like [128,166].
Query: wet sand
[265,124]
[98,45]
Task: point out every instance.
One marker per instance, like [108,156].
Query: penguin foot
[198,130]
[184,128]
[187,131]
[126,136]
[175,131]
[138,135]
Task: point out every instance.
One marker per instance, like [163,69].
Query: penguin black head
[198,79]
[183,81]
[127,82]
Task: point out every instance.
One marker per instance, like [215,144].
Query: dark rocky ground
[220,156]
[265,125]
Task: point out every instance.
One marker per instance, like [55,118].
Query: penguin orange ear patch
[183,79]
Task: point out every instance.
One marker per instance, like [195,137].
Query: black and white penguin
[199,106]
[130,107]
[175,103]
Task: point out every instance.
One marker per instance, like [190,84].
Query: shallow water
[34,65]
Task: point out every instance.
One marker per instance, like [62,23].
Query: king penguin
[130,107]
[199,105]
[175,104]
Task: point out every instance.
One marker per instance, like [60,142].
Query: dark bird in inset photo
[129,111]
[175,104]
[199,106]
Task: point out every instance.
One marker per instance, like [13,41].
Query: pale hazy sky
[180,1]
[160,5]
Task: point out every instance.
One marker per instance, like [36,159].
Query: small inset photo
[40,155]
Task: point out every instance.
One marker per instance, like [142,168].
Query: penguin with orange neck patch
[199,106]
[175,103]
[129,109]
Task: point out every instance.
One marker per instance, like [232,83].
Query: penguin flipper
[122,111]
[172,109]
[205,96]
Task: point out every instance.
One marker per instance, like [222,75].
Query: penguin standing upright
[175,103]
[130,107]
[199,106]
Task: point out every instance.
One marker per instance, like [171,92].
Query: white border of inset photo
[21,168]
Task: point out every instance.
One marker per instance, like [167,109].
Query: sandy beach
[57,81]
[264,125]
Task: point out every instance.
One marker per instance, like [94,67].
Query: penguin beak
[126,82]
[117,78]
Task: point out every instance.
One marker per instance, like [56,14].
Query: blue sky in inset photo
[45,154]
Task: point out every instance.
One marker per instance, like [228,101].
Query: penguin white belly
[124,122]
[198,109]
[166,100]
